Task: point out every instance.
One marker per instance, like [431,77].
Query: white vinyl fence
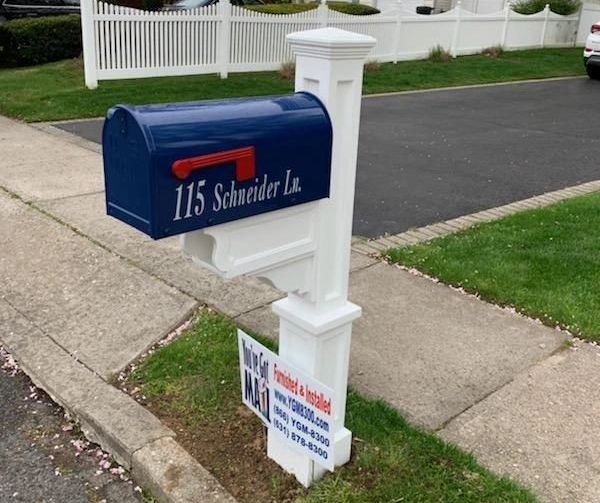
[590,14]
[120,42]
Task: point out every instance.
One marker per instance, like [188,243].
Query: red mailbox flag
[245,166]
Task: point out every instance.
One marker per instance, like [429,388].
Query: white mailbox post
[305,250]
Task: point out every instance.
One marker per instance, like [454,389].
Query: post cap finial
[331,43]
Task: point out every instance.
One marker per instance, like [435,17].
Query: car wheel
[593,72]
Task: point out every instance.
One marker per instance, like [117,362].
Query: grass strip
[544,262]
[193,385]
[55,91]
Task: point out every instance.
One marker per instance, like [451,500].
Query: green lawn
[56,91]
[193,385]
[544,262]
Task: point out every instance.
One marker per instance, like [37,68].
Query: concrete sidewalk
[103,293]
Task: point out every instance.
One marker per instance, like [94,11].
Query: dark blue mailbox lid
[179,167]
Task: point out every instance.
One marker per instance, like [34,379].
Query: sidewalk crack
[32,205]
[73,196]
[46,334]
[490,393]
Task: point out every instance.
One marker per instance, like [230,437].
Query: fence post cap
[331,43]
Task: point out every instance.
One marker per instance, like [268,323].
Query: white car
[591,53]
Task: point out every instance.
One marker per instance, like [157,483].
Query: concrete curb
[472,86]
[114,420]
[429,232]
[173,475]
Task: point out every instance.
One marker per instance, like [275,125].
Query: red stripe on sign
[245,164]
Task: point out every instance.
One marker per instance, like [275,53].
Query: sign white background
[294,406]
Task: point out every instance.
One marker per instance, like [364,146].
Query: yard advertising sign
[294,406]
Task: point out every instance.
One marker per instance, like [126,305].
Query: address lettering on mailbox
[195,198]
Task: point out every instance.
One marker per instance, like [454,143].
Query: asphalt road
[43,459]
[431,156]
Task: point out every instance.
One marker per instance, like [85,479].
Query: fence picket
[101,48]
[119,43]
[545,27]
[456,34]
[179,49]
[127,37]
[507,10]
[111,29]
[160,36]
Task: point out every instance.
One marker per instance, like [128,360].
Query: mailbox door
[127,173]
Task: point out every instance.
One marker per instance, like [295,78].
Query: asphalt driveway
[431,156]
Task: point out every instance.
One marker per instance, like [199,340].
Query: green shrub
[33,41]
[287,71]
[294,8]
[439,55]
[134,4]
[356,9]
[152,4]
[282,8]
[372,66]
[496,51]
[563,7]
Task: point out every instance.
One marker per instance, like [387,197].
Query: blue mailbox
[175,168]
